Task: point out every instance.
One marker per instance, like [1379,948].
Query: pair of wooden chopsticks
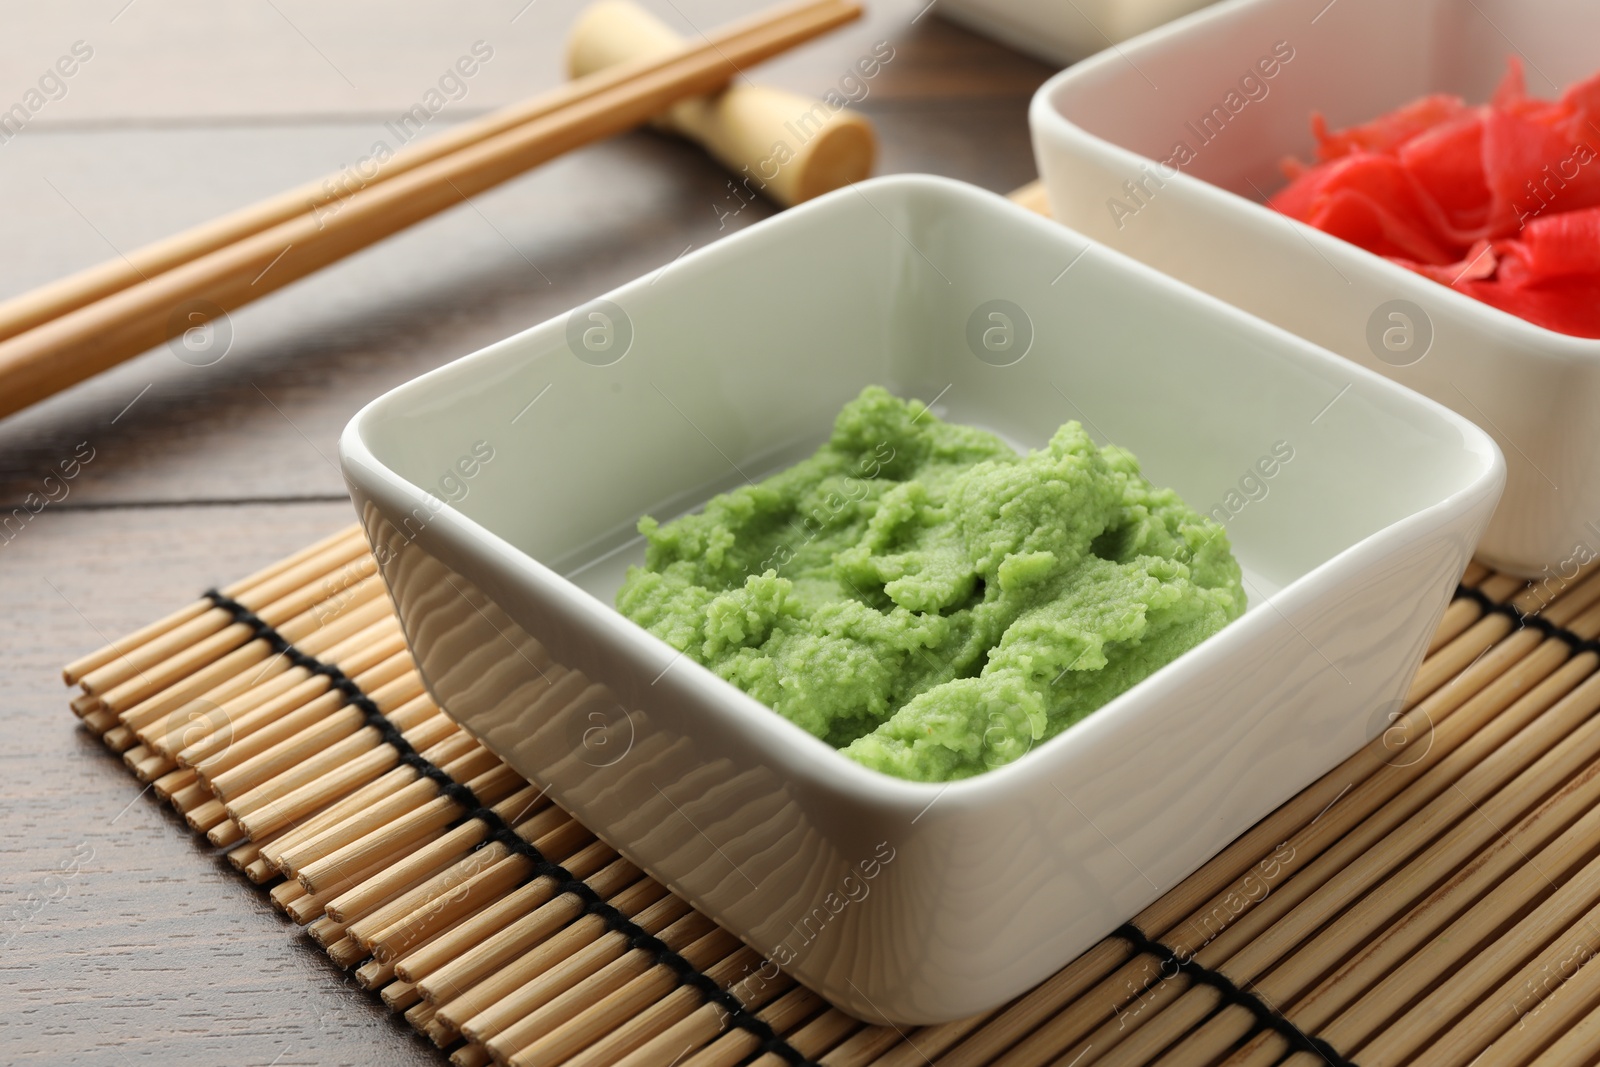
[64,332]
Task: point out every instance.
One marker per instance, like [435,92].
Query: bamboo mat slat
[1435,899]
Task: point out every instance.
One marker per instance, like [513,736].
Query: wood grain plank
[263,422]
[183,61]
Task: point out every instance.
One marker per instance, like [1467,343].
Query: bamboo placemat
[1435,899]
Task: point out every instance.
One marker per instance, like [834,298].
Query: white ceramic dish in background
[737,359]
[1107,120]
[1063,33]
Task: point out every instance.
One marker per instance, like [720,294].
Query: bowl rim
[834,770]
[1044,112]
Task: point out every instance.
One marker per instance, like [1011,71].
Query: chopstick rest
[785,145]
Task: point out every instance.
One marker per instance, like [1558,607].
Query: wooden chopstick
[56,298]
[87,323]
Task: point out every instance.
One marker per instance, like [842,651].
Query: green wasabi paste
[921,597]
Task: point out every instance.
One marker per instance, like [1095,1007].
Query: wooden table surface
[150,948]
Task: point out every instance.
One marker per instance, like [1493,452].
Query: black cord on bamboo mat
[1266,1017]
[769,1041]
[1576,642]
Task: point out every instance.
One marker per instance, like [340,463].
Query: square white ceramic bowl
[1113,118]
[1063,33]
[898,900]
